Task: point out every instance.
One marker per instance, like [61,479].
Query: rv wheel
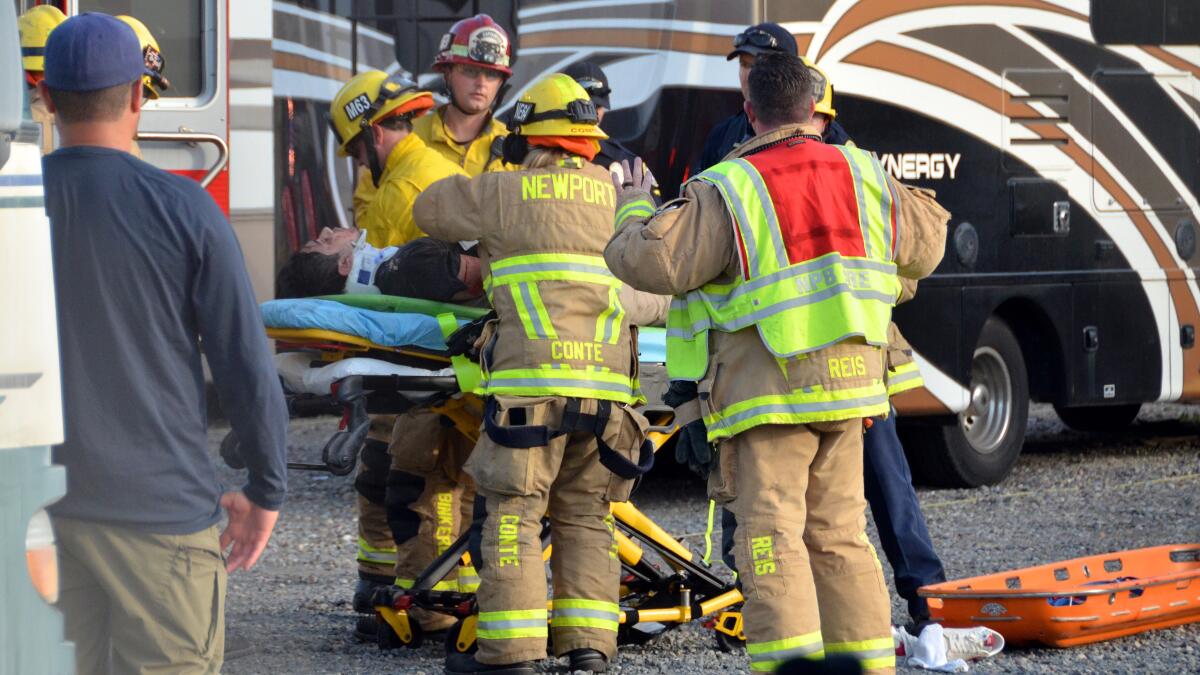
[981,447]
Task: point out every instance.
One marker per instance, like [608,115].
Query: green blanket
[397,304]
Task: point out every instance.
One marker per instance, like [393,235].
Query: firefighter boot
[465,664]
[364,591]
[587,660]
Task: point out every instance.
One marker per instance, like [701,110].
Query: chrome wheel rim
[986,420]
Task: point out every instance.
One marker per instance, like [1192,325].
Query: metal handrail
[192,137]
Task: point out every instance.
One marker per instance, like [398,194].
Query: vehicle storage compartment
[1077,601]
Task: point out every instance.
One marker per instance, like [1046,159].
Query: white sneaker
[970,644]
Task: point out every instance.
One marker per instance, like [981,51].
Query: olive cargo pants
[812,581]
[134,602]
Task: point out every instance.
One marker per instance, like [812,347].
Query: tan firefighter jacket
[563,326]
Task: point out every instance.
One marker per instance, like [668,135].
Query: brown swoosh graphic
[918,66]
[870,11]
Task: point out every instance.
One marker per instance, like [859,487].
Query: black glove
[680,392]
[691,447]
[462,341]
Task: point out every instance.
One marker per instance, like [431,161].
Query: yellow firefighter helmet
[34,27]
[822,90]
[556,105]
[153,82]
[371,97]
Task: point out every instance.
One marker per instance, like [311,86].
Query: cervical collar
[367,260]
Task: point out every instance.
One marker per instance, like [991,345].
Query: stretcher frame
[654,599]
[1078,601]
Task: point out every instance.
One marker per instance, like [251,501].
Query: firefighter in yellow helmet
[409,490]
[785,259]
[561,439]
[153,82]
[35,26]
[372,117]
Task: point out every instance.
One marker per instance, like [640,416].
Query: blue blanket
[382,328]
[400,329]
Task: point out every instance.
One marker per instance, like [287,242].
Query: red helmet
[478,41]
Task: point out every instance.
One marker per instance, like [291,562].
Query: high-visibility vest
[816,237]
[521,275]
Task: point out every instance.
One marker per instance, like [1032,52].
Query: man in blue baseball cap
[146,267]
[747,45]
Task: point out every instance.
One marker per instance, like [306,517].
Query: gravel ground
[1071,495]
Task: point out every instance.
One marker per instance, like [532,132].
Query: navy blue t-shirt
[146,268]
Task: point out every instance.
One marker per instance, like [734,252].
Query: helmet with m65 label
[371,97]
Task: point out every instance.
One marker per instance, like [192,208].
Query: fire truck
[1063,135]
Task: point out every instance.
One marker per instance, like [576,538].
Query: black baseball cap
[423,268]
[593,80]
[763,37]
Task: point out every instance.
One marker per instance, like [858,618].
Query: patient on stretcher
[340,261]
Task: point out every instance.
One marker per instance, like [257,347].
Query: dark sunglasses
[594,87]
[755,37]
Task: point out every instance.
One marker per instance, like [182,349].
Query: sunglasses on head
[594,87]
[755,37]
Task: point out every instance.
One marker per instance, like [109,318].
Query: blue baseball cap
[92,51]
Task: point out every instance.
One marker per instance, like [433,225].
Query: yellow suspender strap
[466,371]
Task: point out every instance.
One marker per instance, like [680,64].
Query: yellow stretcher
[664,584]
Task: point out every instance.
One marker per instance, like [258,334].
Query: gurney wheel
[460,639]
[388,638]
[728,628]
[418,636]
[728,643]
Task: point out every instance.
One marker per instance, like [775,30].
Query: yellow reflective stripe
[874,202]
[523,312]
[877,653]
[879,663]
[768,655]
[763,254]
[530,292]
[373,554]
[903,378]
[772,666]
[887,209]
[610,319]
[532,311]
[802,407]
[560,382]
[550,267]
[772,252]
[863,223]
[439,586]
[585,603]
[708,530]
[583,613]
[731,309]
[639,208]
[515,624]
